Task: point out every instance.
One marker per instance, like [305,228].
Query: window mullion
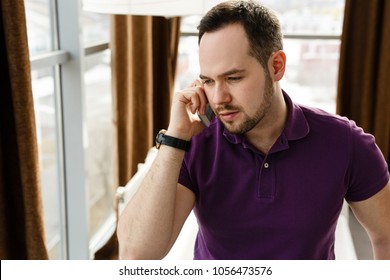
[73,121]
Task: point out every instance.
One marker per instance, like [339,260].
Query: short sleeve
[185,178]
[367,172]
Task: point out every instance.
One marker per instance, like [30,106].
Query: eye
[208,82]
[234,79]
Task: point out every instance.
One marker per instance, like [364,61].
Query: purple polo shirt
[283,205]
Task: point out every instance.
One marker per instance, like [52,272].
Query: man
[267,178]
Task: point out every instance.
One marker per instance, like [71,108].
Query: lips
[228,116]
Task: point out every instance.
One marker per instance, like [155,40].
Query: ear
[277,65]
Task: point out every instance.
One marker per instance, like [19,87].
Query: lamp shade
[166,8]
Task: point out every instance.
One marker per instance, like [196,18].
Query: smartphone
[206,118]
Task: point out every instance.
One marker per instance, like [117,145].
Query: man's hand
[184,122]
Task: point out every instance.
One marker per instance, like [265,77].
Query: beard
[250,122]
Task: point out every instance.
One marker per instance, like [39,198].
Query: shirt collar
[296,126]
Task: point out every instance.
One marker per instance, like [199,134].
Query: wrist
[180,134]
[164,139]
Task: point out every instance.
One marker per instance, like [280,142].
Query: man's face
[239,90]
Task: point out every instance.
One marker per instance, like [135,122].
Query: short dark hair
[261,25]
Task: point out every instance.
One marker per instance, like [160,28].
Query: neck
[267,131]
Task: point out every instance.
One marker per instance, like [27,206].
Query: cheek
[209,94]
[251,95]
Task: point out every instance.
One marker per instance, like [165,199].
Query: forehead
[224,49]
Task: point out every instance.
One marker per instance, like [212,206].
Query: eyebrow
[227,73]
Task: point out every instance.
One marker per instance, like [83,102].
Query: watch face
[160,138]
[158,141]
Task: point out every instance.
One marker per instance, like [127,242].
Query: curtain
[144,51]
[21,223]
[364,84]
[144,54]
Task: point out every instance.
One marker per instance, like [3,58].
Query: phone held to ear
[206,119]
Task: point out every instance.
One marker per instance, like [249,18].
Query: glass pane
[38,26]
[45,116]
[312,71]
[315,17]
[188,63]
[190,23]
[100,138]
[96,27]
[320,17]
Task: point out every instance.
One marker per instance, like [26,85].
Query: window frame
[67,59]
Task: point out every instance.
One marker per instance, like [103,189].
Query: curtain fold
[144,53]
[21,221]
[364,84]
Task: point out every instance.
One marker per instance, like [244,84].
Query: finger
[197,83]
[195,99]
[198,87]
[195,103]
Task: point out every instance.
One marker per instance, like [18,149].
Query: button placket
[267,179]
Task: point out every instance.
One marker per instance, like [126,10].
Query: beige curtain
[364,77]
[21,224]
[144,53]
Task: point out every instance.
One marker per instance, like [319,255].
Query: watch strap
[163,139]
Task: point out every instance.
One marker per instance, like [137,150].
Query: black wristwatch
[162,139]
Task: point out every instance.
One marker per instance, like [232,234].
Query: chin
[234,129]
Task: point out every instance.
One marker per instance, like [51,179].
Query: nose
[221,94]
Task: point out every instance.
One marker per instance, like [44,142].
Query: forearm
[146,225]
[381,249]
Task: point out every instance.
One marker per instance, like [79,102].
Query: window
[46,122]
[312,45]
[99,152]
[311,30]
[73,105]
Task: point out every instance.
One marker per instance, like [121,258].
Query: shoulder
[335,126]
[342,141]
[318,117]
[339,135]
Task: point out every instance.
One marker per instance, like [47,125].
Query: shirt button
[266,165]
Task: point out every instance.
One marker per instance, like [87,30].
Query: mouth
[228,116]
